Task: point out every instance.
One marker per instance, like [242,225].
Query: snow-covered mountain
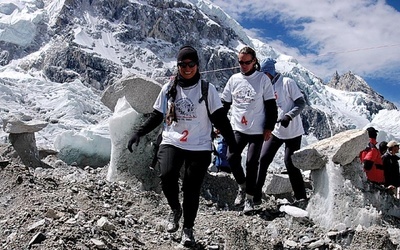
[56,57]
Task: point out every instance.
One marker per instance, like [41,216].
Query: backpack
[364,153]
[221,160]
[204,94]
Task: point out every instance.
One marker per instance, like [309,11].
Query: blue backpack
[220,160]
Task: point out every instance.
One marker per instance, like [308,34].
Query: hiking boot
[248,206]
[173,220]
[257,201]
[187,237]
[241,195]
[302,203]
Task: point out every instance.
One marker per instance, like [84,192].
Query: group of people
[381,164]
[264,114]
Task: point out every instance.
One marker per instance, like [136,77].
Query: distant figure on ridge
[186,138]
[288,130]
[372,159]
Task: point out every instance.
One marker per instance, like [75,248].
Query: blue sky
[361,36]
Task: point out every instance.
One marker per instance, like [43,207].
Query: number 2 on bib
[185,134]
[244,121]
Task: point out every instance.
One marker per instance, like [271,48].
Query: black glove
[285,121]
[134,139]
[368,164]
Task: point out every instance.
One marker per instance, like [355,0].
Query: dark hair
[171,93]
[383,147]
[249,51]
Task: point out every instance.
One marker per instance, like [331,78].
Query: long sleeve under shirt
[287,93]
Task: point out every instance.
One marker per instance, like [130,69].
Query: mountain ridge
[98,42]
[353,83]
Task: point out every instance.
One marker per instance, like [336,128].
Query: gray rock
[105,225]
[139,92]
[134,168]
[98,244]
[314,159]
[25,145]
[21,131]
[4,163]
[17,125]
[343,147]
[37,239]
[37,224]
[277,184]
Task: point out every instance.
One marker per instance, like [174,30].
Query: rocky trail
[67,207]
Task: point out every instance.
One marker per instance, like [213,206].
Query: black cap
[187,52]
[372,129]
[372,132]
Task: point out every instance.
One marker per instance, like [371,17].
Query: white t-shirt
[247,95]
[286,92]
[193,129]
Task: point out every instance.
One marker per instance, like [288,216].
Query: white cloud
[360,35]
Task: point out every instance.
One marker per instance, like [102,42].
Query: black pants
[196,163]
[268,153]
[253,154]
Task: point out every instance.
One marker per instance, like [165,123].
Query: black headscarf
[188,82]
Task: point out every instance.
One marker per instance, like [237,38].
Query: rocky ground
[67,207]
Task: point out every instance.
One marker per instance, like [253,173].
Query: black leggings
[268,153]
[253,153]
[171,160]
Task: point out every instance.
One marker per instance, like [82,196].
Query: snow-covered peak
[211,9]
[95,43]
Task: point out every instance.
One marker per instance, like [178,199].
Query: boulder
[18,125]
[140,92]
[342,147]
[21,131]
[277,184]
[341,184]
[134,168]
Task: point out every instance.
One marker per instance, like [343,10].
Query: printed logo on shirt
[245,95]
[185,109]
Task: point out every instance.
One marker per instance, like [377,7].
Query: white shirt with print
[247,95]
[286,92]
[193,129]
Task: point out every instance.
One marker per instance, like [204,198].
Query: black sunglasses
[191,64]
[246,62]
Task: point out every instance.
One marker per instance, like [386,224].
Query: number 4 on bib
[244,121]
